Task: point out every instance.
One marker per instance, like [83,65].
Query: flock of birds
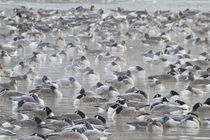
[86,38]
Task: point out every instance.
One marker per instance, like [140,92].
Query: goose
[107,106]
[128,113]
[13,50]
[74,134]
[10,93]
[182,104]
[166,121]
[96,120]
[173,95]
[93,51]
[36,59]
[23,77]
[155,84]
[69,82]
[9,85]
[31,74]
[163,77]
[22,68]
[109,93]
[92,133]
[157,99]
[138,105]
[155,127]
[36,136]
[57,125]
[82,61]
[55,58]
[27,106]
[115,47]
[170,122]
[91,77]
[39,81]
[72,49]
[99,87]
[60,43]
[28,98]
[87,93]
[5,72]
[4,55]
[51,91]
[138,95]
[121,82]
[102,57]
[136,124]
[166,108]
[84,99]
[191,121]
[6,132]
[202,109]
[137,70]
[63,55]
[43,114]
[124,73]
[35,122]
[77,115]
[119,60]
[191,91]
[112,67]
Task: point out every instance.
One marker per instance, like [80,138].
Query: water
[133,56]
[202,5]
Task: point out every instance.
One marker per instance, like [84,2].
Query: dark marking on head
[196,106]
[180,102]
[119,109]
[82,114]
[20,103]
[37,120]
[101,118]
[48,110]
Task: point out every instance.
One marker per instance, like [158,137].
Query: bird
[74,134]
[39,81]
[112,67]
[27,106]
[166,108]
[96,120]
[130,113]
[191,121]
[51,91]
[202,109]
[28,98]
[6,132]
[154,126]
[77,115]
[69,82]
[43,114]
[6,93]
[57,125]
[93,133]
[9,85]
[30,123]
[84,98]
[191,91]
[138,95]
[36,136]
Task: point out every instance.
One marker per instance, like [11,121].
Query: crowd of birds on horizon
[72,37]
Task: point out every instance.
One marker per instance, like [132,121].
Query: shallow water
[133,56]
[151,5]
